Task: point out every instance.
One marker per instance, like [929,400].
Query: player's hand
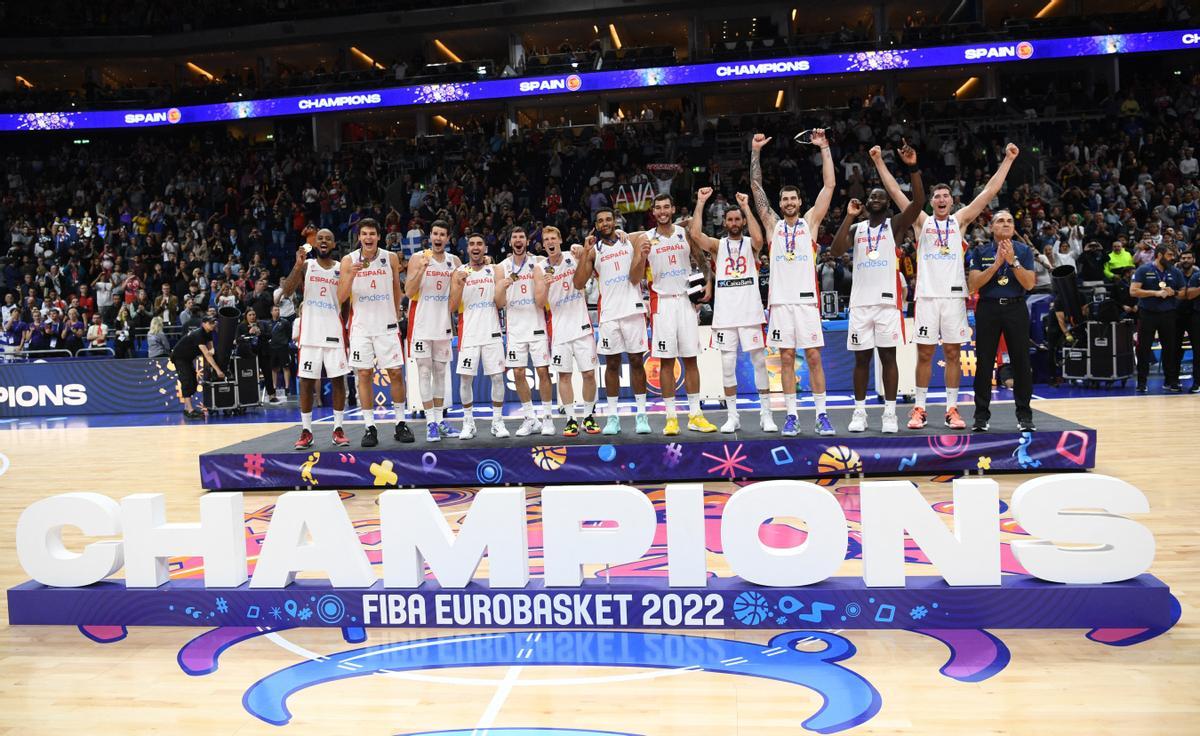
[589,243]
[1168,292]
[504,283]
[759,141]
[645,248]
[1011,151]
[703,194]
[421,260]
[854,208]
[743,199]
[460,277]
[876,153]
[301,255]
[220,374]
[355,267]
[908,155]
[577,250]
[818,138]
[547,278]
[621,234]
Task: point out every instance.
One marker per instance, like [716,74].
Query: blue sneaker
[642,424]
[789,426]
[431,432]
[446,429]
[613,425]
[823,426]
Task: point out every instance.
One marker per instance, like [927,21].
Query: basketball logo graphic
[1024,50]
[549,457]
[174,115]
[654,370]
[839,459]
[574,83]
[751,608]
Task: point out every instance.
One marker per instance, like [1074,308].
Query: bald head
[325,242]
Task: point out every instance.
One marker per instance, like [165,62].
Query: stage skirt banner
[68,387]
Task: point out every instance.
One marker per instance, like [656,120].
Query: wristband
[913,169]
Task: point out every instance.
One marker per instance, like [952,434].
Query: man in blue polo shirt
[1156,286]
[1002,272]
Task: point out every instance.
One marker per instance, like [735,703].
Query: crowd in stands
[103,241]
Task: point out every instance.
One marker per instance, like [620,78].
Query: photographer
[253,340]
[195,344]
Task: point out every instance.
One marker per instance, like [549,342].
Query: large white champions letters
[311,533]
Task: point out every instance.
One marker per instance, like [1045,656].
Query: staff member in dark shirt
[1002,273]
[196,343]
[1187,319]
[1155,285]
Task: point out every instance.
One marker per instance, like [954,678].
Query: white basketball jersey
[525,320]
[618,297]
[479,323]
[876,266]
[430,312]
[373,303]
[736,299]
[793,265]
[569,319]
[670,262]
[940,251]
[321,318]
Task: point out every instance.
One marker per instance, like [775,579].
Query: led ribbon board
[492,89]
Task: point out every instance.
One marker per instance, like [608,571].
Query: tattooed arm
[761,204]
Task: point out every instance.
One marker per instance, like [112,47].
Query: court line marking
[493,709]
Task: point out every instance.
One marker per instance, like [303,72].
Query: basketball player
[527,339]
[370,278]
[794,321]
[876,294]
[429,330]
[941,291]
[473,294]
[619,268]
[558,287]
[675,328]
[737,304]
[321,340]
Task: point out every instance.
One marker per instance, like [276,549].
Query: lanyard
[789,238]
[873,248]
[942,240]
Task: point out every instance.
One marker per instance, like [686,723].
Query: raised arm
[637,265]
[752,226]
[695,233]
[296,277]
[416,271]
[587,262]
[890,185]
[967,214]
[841,241]
[350,269]
[908,217]
[541,287]
[816,213]
[761,203]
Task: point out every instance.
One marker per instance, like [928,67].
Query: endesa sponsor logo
[1022,50]
[570,83]
[71,394]
[317,103]
[158,116]
[766,67]
[1191,39]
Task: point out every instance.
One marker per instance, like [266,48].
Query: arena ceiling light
[612,31]
[445,50]
[779,100]
[365,58]
[966,86]
[200,70]
[23,81]
[1050,6]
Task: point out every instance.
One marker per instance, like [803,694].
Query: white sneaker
[891,425]
[547,426]
[767,422]
[498,428]
[858,422]
[732,424]
[528,427]
[468,429]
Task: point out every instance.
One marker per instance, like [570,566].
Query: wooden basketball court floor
[54,680]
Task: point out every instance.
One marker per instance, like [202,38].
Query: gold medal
[1003,281]
[1162,284]
[873,255]
[791,256]
[549,270]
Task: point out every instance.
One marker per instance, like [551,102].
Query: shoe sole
[304,447]
[341,444]
[701,431]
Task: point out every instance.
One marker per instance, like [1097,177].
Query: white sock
[819,400]
[613,404]
[640,400]
[789,404]
[337,417]
[919,396]
[731,409]
[764,403]
[693,404]
[400,413]
[582,409]
[951,397]
[497,415]
[436,415]
[860,405]
[306,420]
[469,412]
[369,417]
[669,403]
[527,409]
[569,409]
[889,407]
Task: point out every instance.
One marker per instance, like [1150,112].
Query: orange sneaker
[953,420]
[917,418]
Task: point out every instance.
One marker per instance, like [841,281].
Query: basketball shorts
[486,358]
[624,335]
[420,348]
[376,351]
[312,358]
[942,319]
[729,338]
[578,354]
[795,326]
[675,328]
[874,326]
[520,354]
